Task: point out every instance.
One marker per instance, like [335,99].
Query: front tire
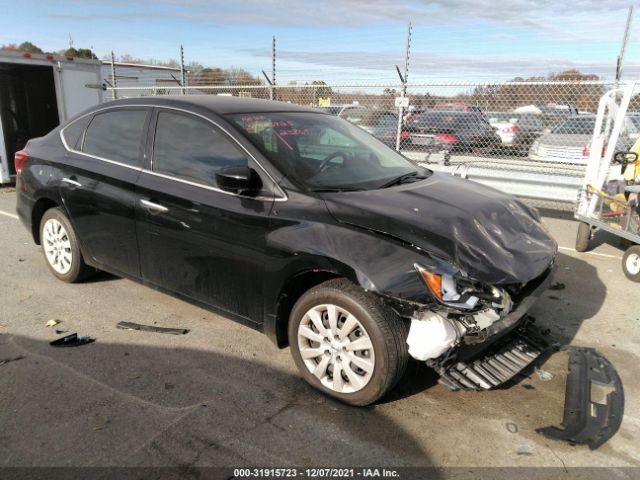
[346,343]
[60,247]
[631,263]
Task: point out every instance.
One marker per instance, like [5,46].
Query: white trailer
[37,93]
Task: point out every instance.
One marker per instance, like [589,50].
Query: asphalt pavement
[224,395]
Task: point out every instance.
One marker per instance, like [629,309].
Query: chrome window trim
[282,198]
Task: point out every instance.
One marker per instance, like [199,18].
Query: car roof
[217,104]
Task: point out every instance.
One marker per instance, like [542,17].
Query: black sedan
[450,131]
[293,222]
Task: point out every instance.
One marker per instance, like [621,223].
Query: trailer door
[78,84]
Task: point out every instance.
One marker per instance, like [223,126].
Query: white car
[570,140]
[505,125]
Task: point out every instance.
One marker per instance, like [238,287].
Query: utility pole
[182,76]
[403,80]
[113,76]
[625,40]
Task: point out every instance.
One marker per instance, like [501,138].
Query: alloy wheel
[336,348]
[57,246]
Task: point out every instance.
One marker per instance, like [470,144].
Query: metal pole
[273,67]
[113,76]
[403,79]
[625,40]
[182,77]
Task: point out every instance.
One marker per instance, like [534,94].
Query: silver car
[570,140]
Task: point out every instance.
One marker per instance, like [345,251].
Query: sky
[344,40]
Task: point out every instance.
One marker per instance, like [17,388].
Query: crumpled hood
[494,237]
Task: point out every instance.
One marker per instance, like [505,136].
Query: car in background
[570,140]
[339,110]
[450,131]
[517,131]
[382,124]
[455,107]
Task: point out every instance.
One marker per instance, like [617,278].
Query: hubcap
[57,247]
[336,348]
[633,264]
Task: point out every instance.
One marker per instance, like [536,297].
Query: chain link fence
[531,139]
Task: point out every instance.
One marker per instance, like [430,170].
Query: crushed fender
[588,419]
[73,340]
[152,328]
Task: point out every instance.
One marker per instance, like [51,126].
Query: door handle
[153,207]
[72,182]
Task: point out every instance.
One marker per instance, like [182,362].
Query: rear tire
[60,247]
[631,263]
[337,326]
[583,237]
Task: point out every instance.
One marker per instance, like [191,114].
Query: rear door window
[192,148]
[116,135]
[72,133]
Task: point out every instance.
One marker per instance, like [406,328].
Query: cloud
[449,66]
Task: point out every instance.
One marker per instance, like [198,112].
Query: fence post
[273,67]
[403,79]
[113,76]
[625,40]
[182,76]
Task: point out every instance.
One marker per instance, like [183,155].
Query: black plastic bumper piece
[585,420]
[505,361]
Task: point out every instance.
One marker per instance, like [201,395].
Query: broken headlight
[449,288]
[453,289]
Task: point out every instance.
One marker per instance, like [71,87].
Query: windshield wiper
[401,179]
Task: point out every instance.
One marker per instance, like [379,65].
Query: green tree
[80,53]
[29,47]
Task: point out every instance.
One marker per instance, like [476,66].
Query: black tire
[387,332]
[583,237]
[78,270]
[631,257]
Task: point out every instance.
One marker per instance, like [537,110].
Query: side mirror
[238,179]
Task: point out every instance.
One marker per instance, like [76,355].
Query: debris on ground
[52,323]
[553,297]
[525,449]
[543,374]
[594,400]
[60,332]
[557,286]
[7,360]
[512,427]
[151,328]
[73,340]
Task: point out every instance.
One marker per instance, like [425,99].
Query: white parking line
[7,214]
[591,253]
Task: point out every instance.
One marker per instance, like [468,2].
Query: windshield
[576,126]
[323,152]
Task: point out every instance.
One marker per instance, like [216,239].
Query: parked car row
[542,133]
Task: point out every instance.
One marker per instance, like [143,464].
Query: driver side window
[192,148]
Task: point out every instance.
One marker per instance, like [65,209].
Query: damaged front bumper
[504,361]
